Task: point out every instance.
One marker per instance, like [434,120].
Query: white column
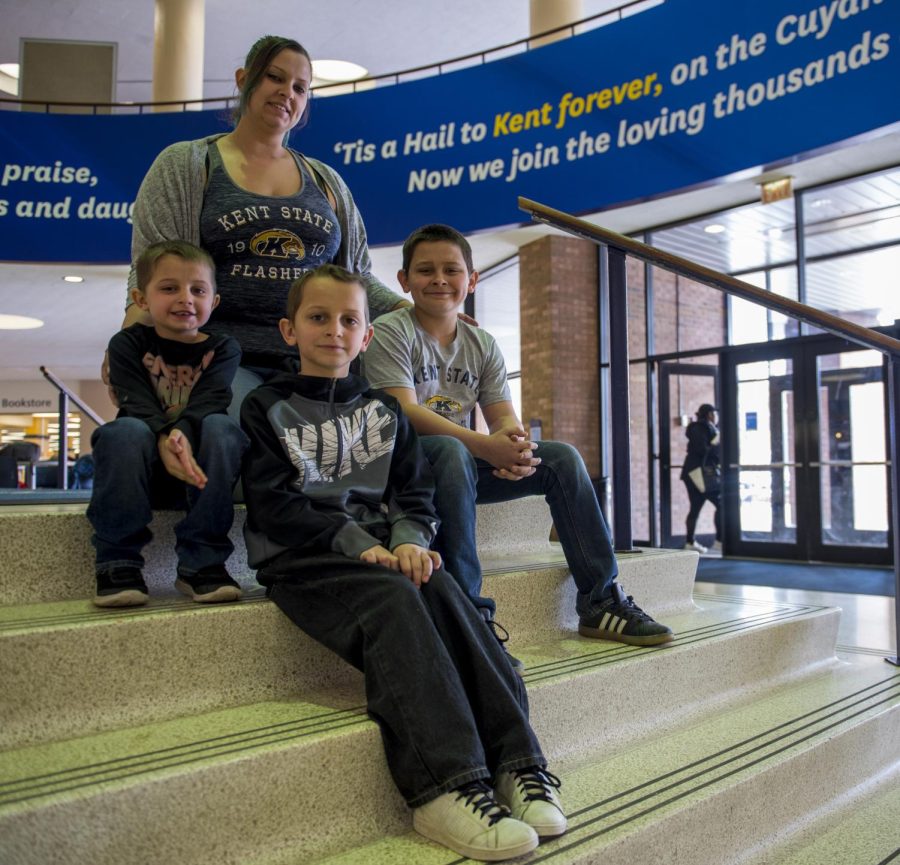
[547,14]
[178,37]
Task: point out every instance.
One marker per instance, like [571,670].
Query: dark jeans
[130,480]
[450,706]
[460,480]
[697,500]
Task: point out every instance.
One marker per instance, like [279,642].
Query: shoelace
[627,608]
[480,798]
[500,632]
[536,784]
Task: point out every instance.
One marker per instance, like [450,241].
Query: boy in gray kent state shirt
[439,367]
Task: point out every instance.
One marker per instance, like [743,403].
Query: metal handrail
[730,285]
[387,78]
[617,247]
[66,394]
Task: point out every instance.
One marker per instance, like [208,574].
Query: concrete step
[862,827]
[301,778]
[68,668]
[707,793]
[48,554]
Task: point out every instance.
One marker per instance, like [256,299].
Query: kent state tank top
[260,245]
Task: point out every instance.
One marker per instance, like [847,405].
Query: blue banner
[667,99]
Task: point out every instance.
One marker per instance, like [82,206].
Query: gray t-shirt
[449,379]
[260,245]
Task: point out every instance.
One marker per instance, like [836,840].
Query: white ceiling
[384,37]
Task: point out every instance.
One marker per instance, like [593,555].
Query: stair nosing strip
[259,733]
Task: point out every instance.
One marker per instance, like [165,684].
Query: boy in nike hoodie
[339,523]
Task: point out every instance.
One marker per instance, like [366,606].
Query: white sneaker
[470,822]
[530,794]
[697,546]
[716,547]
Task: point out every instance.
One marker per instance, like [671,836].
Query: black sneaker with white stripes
[619,618]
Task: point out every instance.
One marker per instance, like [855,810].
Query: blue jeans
[450,707]
[130,480]
[461,480]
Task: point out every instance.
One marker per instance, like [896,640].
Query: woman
[702,450]
[264,212]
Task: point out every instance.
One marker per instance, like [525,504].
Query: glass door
[805,446]
[683,388]
[761,507]
[849,467]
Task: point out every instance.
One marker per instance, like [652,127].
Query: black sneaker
[121,587]
[619,618]
[211,585]
[502,636]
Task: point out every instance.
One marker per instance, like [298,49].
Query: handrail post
[62,460]
[893,365]
[618,386]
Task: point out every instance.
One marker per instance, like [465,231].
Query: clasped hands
[510,453]
[411,560]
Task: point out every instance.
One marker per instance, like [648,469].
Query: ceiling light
[774,233]
[715,228]
[19,322]
[73,279]
[9,78]
[820,202]
[337,70]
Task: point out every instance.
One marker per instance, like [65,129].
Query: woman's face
[282,93]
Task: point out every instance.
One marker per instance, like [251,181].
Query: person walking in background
[701,474]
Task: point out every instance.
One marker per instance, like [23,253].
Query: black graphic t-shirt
[170,384]
[261,244]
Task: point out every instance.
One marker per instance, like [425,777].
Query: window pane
[861,288]
[746,238]
[497,311]
[855,213]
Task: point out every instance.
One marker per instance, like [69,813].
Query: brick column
[558,297]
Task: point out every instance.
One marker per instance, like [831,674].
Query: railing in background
[384,80]
[618,247]
[65,394]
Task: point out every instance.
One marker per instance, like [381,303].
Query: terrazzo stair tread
[704,794]
[59,680]
[862,828]
[536,598]
[157,659]
[48,554]
[130,795]
[206,788]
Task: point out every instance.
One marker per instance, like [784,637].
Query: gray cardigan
[170,199]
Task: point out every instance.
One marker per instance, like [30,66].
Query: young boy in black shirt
[339,521]
[171,444]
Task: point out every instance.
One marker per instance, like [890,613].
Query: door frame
[808,545]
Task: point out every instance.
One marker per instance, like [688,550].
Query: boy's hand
[378,555]
[512,456]
[416,562]
[177,456]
